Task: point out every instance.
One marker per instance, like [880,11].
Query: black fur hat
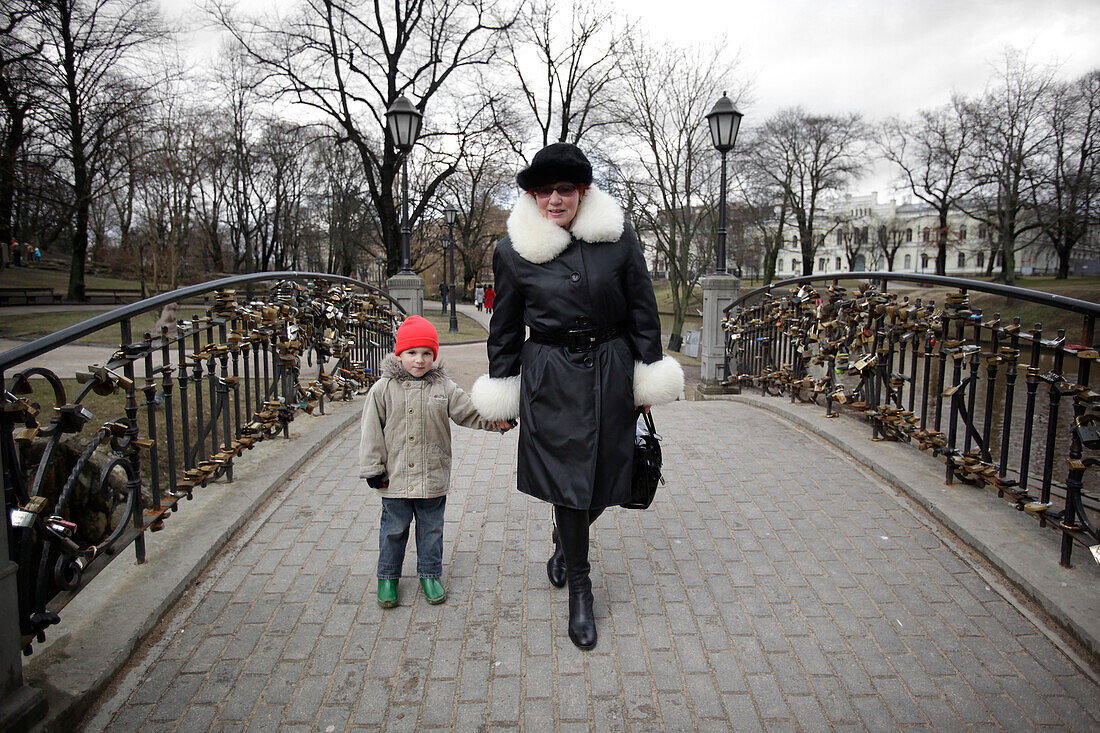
[556,162]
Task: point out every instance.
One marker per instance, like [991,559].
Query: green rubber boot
[387,593]
[433,590]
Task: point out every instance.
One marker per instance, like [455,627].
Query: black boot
[573,533]
[555,566]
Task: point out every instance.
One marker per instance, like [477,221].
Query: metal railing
[914,370]
[79,490]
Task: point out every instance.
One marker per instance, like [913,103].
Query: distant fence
[78,490]
[944,378]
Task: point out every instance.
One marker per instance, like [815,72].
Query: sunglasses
[563,189]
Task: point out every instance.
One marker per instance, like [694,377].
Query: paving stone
[746,594]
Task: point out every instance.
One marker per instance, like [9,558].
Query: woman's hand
[643,408]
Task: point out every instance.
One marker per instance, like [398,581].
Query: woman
[572,272]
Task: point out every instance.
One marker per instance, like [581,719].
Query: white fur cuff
[497,399]
[658,383]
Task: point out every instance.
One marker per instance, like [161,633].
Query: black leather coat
[576,409]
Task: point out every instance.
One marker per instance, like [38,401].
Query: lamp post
[724,120]
[379,261]
[451,214]
[403,121]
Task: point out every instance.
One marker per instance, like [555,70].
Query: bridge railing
[175,407]
[942,377]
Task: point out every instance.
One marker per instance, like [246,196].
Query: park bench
[28,296]
[114,295]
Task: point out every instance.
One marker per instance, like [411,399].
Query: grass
[43,276]
[31,326]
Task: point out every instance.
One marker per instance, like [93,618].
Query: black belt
[578,340]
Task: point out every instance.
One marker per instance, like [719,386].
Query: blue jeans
[393,536]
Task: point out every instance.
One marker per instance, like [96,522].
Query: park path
[773,585]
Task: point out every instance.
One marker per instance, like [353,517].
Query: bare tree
[931,152]
[21,73]
[808,157]
[766,205]
[482,182]
[1066,199]
[348,62]
[566,61]
[92,47]
[1010,136]
[667,94]
[889,238]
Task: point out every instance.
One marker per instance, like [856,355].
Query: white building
[860,232]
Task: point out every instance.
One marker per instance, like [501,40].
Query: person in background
[479,296]
[571,270]
[490,295]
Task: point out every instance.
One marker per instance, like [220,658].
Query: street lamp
[403,121]
[724,120]
[379,261]
[451,214]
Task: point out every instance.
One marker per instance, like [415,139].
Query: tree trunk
[12,142]
[80,229]
[941,243]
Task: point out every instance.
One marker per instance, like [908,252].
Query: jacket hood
[535,239]
[391,367]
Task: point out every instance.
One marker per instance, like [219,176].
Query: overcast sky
[875,57]
[879,57]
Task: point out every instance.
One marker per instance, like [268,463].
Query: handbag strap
[648,418]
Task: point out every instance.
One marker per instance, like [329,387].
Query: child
[405,454]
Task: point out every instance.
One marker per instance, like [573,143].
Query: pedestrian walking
[405,455]
[443,295]
[479,296]
[571,270]
[490,295]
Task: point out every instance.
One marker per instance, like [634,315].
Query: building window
[923,261]
[962,232]
[794,264]
[908,235]
[925,234]
[821,264]
[980,260]
[908,261]
[794,242]
[981,231]
[840,238]
[962,260]
[838,265]
[779,266]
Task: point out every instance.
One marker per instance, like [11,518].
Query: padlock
[1088,436]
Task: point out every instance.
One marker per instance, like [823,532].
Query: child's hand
[380,481]
[504,425]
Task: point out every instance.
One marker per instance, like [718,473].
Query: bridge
[791,573]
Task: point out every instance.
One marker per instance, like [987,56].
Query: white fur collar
[535,239]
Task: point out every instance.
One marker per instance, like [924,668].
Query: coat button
[575,277]
[410,410]
[588,361]
[412,437]
[583,321]
[410,464]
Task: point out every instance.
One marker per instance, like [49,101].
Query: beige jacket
[406,433]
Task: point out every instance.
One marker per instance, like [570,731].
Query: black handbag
[647,465]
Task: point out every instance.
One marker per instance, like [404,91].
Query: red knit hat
[417,331]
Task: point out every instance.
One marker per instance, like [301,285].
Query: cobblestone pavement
[772,586]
